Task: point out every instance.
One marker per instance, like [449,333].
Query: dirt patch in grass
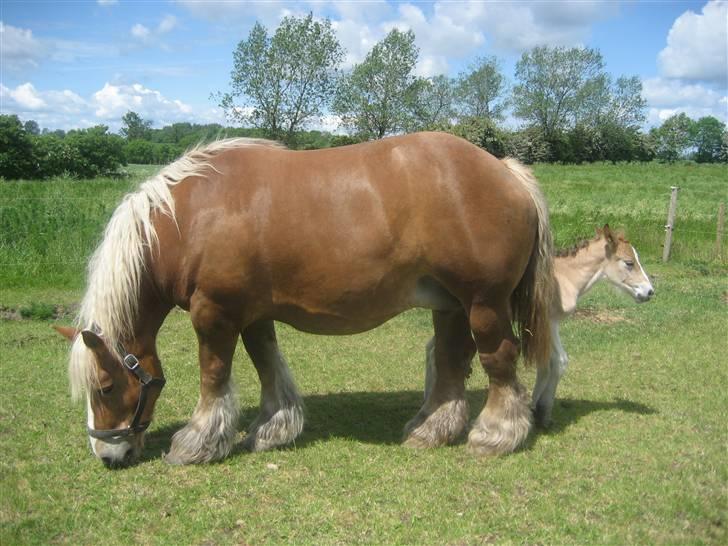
[39,311]
[600,316]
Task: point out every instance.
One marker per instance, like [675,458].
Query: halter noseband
[131,363]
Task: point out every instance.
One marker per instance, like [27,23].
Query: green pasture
[636,455]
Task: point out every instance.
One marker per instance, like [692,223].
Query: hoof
[500,430]
[441,427]
[542,418]
[278,430]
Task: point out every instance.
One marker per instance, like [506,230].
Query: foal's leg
[211,432]
[544,373]
[444,414]
[558,362]
[505,420]
[281,408]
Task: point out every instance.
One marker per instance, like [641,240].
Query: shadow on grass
[568,411]
[379,418]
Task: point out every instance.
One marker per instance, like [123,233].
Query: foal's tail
[532,299]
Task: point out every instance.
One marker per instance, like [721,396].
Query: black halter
[131,363]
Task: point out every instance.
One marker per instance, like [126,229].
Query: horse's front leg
[444,414]
[281,407]
[211,431]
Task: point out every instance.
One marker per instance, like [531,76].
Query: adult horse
[244,232]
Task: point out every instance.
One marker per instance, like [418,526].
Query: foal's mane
[573,250]
[116,267]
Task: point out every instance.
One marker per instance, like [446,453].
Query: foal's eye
[107,390]
[629,264]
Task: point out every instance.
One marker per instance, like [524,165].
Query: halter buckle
[131,362]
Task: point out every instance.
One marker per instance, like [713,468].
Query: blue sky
[73,64]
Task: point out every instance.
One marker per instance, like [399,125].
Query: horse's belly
[356,313]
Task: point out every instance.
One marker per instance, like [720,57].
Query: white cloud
[147,36]
[107,2]
[140,31]
[458,30]
[20,49]
[431,65]
[27,97]
[697,45]
[113,101]
[668,96]
[269,13]
[168,23]
[513,27]
[67,110]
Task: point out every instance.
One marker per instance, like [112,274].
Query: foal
[608,256]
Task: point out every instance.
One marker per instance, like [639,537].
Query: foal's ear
[609,237]
[91,339]
[66,331]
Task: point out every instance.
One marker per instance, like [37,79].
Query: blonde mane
[116,267]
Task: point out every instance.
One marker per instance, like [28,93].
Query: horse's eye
[629,264]
[107,390]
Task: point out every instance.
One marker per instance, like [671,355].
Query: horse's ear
[91,339]
[609,237]
[67,332]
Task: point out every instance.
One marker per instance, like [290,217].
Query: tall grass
[636,198]
[48,229]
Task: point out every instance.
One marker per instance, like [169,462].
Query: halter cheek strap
[131,363]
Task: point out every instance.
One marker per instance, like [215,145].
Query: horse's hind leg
[444,414]
[505,420]
[281,408]
[211,432]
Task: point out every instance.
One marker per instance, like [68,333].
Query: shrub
[98,151]
[529,146]
[139,151]
[16,149]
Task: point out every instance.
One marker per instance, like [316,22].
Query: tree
[379,96]
[281,83]
[434,103]
[674,137]
[134,127]
[708,136]
[32,128]
[626,104]
[481,92]
[554,84]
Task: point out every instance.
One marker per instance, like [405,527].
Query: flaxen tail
[532,299]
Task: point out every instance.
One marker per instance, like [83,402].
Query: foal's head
[121,391]
[623,267]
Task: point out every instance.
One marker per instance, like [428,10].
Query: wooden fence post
[670,224]
[719,231]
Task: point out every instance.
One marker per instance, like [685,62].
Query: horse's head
[121,390]
[623,266]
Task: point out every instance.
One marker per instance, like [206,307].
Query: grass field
[636,454]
